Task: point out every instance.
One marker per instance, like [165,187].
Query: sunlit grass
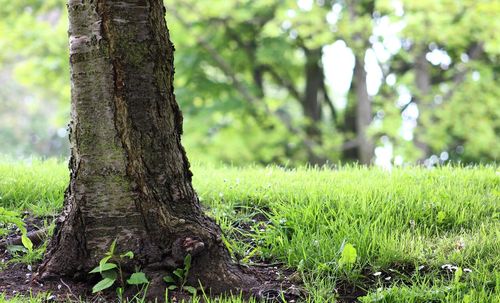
[34,185]
[398,221]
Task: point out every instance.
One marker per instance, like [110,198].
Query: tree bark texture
[130,178]
[364,113]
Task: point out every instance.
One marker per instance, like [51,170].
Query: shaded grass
[398,221]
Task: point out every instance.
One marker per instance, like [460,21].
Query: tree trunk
[314,83]
[311,101]
[364,114]
[130,178]
[423,84]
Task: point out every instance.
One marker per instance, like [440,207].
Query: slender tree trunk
[314,82]
[348,127]
[130,178]
[364,113]
[312,101]
[423,85]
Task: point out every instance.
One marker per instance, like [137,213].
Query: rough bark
[364,113]
[130,178]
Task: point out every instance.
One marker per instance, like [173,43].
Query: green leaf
[27,243]
[103,267]
[112,274]
[179,272]
[112,248]
[348,256]
[103,284]
[104,260]
[137,278]
[128,254]
[187,262]
[168,279]
[190,289]
[441,216]
[458,274]
[13,249]
[172,287]
[7,216]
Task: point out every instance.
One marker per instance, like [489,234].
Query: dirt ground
[18,279]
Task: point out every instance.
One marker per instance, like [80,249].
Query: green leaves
[348,256]
[128,254]
[179,278]
[179,272]
[137,279]
[168,279]
[441,216]
[112,271]
[458,275]
[103,267]
[27,243]
[103,284]
[12,217]
[190,289]
[7,216]
[187,263]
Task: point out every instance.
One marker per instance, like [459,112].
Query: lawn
[406,235]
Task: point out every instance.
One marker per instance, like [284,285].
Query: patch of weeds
[22,253]
[178,279]
[27,253]
[31,298]
[110,268]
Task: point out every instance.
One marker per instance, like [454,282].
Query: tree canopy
[288,82]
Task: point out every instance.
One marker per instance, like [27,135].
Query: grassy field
[419,235]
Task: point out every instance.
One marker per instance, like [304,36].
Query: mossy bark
[130,178]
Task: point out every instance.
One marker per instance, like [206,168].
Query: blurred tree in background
[287,82]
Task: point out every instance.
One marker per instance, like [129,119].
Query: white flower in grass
[449,267]
[378,273]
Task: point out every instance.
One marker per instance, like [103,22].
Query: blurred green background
[389,82]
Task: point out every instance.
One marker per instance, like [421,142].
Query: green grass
[398,221]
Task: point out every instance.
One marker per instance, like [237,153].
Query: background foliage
[287,82]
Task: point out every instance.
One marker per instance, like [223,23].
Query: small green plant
[178,279]
[458,275]
[348,256]
[11,217]
[110,268]
[441,217]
